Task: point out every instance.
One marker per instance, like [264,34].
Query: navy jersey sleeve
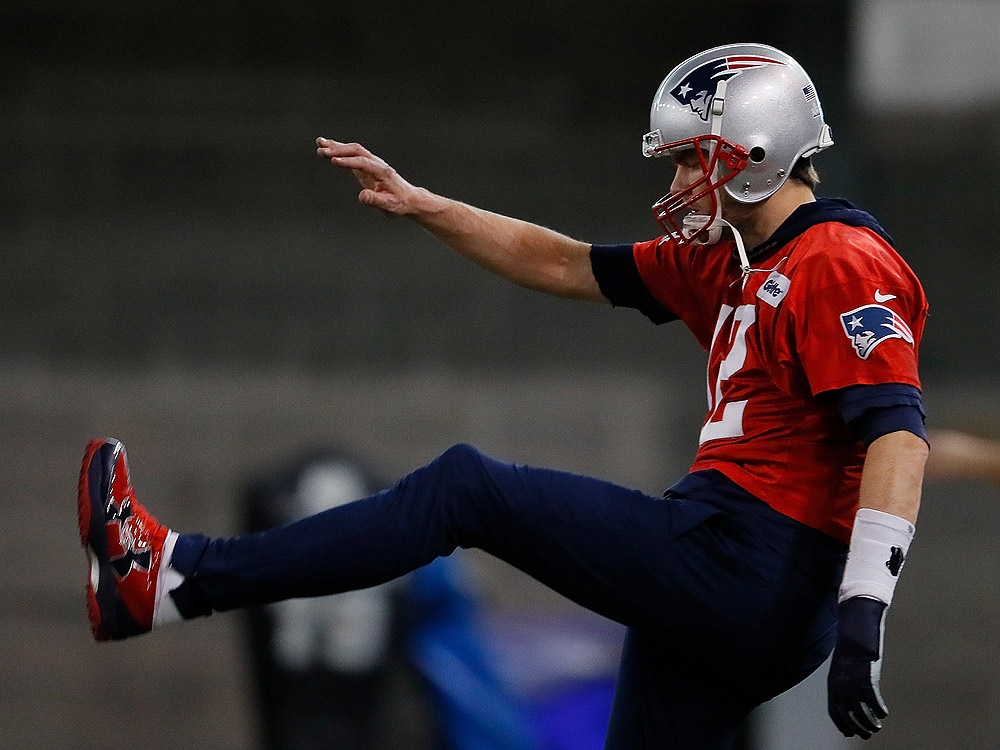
[618,277]
[872,411]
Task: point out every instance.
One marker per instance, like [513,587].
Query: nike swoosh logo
[879,297]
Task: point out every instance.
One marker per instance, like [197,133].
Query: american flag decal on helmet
[809,92]
[697,90]
[870,325]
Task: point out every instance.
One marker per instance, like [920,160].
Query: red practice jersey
[834,307]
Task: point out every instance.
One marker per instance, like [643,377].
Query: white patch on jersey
[774,289]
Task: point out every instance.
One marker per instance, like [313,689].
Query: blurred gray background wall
[182,272]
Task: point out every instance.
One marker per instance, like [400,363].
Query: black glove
[854,700]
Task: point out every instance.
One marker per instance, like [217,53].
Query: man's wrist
[879,545]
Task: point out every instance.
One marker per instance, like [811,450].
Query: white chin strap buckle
[695,223]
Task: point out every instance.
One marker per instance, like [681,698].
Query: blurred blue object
[574,717]
[448,645]
[529,684]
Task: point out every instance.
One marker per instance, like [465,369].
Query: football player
[786,538]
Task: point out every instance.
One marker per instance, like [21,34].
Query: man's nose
[681,181]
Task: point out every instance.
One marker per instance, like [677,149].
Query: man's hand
[382,187]
[854,700]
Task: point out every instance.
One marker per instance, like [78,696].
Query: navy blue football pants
[727,602]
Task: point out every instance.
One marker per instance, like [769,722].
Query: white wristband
[879,544]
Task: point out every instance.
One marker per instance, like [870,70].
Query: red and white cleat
[124,544]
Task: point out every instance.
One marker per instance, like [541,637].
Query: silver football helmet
[750,110]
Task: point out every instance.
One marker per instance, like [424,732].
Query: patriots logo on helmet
[870,325]
[697,90]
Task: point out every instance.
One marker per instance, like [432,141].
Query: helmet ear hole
[757,154]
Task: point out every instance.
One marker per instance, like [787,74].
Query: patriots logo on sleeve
[870,325]
[698,89]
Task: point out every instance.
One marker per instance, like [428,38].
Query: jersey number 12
[725,418]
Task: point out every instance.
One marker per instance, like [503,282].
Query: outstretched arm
[526,254]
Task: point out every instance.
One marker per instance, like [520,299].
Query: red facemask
[720,162]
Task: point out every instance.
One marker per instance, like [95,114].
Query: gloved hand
[854,701]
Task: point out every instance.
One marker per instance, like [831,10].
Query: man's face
[690,169]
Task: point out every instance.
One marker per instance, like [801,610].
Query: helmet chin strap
[710,233]
[741,250]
